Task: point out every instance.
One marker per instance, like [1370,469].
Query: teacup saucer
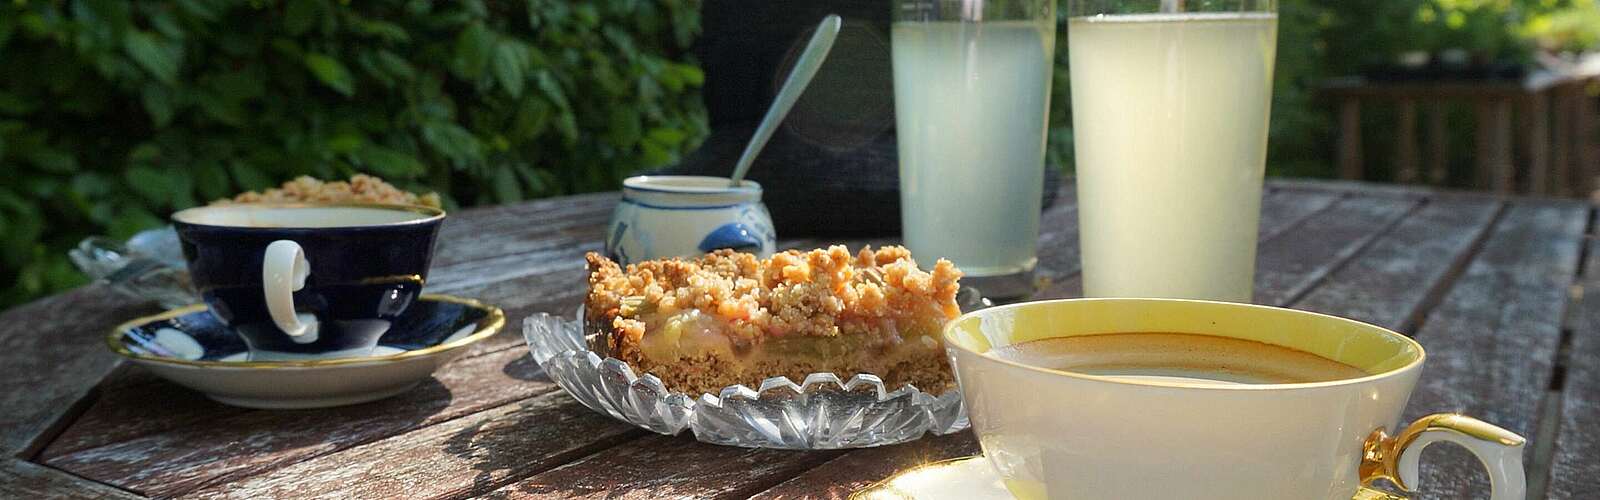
[191,347]
[969,478]
[972,478]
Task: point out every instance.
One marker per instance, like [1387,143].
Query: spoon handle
[816,51]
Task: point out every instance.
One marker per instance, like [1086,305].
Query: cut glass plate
[822,412]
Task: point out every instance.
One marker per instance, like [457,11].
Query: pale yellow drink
[970,104]
[1170,129]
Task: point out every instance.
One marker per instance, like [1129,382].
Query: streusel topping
[822,292]
[361,188]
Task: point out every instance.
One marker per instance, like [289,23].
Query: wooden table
[1492,286]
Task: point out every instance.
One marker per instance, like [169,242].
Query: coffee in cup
[1161,398]
[306,281]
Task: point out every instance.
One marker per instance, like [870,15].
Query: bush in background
[115,113]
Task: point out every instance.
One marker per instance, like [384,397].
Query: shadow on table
[525,369]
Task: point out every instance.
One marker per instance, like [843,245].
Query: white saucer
[972,478]
[969,478]
[191,347]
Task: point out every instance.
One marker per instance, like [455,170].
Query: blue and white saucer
[191,347]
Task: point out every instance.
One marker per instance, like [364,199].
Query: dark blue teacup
[299,281]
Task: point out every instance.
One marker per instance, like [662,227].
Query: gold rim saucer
[490,324]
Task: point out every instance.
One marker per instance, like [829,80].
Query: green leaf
[389,163]
[248,177]
[396,65]
[474,47]
[346,142]
[150,184]
[157,57]
[509,59]
[551,88]
[50,160]
[211,180]
[239,85]
[382,30]
[625,126]
[667,136]
[453,142]
[331,73]
[299,15]
[222,110]
[158,103]
[505,186]
[130,221]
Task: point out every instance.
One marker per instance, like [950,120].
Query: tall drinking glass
[1170,102]
[972,92]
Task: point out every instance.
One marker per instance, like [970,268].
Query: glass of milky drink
[972,94]
[1169,109]
[1138,399]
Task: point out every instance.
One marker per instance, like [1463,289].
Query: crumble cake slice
[730,318]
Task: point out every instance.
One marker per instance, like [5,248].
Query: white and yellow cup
[1058,434]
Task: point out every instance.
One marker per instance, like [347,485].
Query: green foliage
[114,113]
[1574,28]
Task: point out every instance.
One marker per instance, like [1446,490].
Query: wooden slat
[1350,138]
[179,460]
[24,480]
[465,456]
[500,231]
[1575,471]
[1293,262]
[1388,283]
[134,404]
[840,477]
[1058,236]
[54,354]
[1492,341]
[661,466]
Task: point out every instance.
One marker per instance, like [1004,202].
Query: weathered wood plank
[1389,283]
[840,477]
[1281,209]
[465,456]
[137,403]
[54,354]
[661,466]
[132,404]
[1575,471]
[519,228]
[1290,264]
[24,480]
[1492,340]
[178,460]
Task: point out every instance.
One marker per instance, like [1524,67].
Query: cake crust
[730,318]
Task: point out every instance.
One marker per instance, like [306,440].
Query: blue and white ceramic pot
[663,216]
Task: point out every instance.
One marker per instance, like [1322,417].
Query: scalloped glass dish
[148,266]
[822,412]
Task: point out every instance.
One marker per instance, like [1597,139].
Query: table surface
[1492,286]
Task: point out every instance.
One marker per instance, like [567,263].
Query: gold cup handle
[1396,458]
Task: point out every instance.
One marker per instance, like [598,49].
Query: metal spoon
[799,77]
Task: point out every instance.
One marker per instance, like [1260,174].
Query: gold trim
[397,278]
[1381,457]
[1414,364]
[489,325]
[433,214]
[883,484]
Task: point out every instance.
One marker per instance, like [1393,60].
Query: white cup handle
[284,269]
[1397,458]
